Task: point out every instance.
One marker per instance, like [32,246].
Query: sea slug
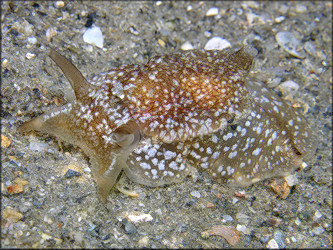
[156,121]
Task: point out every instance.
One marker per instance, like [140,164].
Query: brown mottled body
[192,109]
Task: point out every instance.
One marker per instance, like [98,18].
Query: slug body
[197,109]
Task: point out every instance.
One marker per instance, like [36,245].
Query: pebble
[287,41]
[87,170]
[189,203]
[89,48]
[5,141]
[50,32]
[251,18]
[243,229]
[141,204]
[228,233]
[308,47]
[77,236]
[298,221]
[6,240]
[4,62]
[279,19]
[11,215]
[30,55]
[235,200]
[94,36]
[207,34]
[186,46]
[48,220]
[243,218]
[70,170]
[304,165]
[281,188]
[279,238]
[212,11]
[251,208]
[250,4]
[227,217]
[274,82]
[27,28]
[161,43]
[288,86]
[209,205]
[189,8]
[300,8]
[129,227]
[240,193]
[137,218]
[284,8]
[49,237]
[272,244]
[143,242]
[122,188]
[71,173]
[32,40]
[57,101]
[38,146]
[196,194]
[15,189]
[25,207]
[21,181]
[60,4]
[134,31]
[217,43]
[274,222]
[318,230]
[291,180]
[326,225]
[317,215]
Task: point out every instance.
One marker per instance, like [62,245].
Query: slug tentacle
[196,109]
[79,84]
[54,122]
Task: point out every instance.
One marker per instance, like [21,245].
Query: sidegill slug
[197,108]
